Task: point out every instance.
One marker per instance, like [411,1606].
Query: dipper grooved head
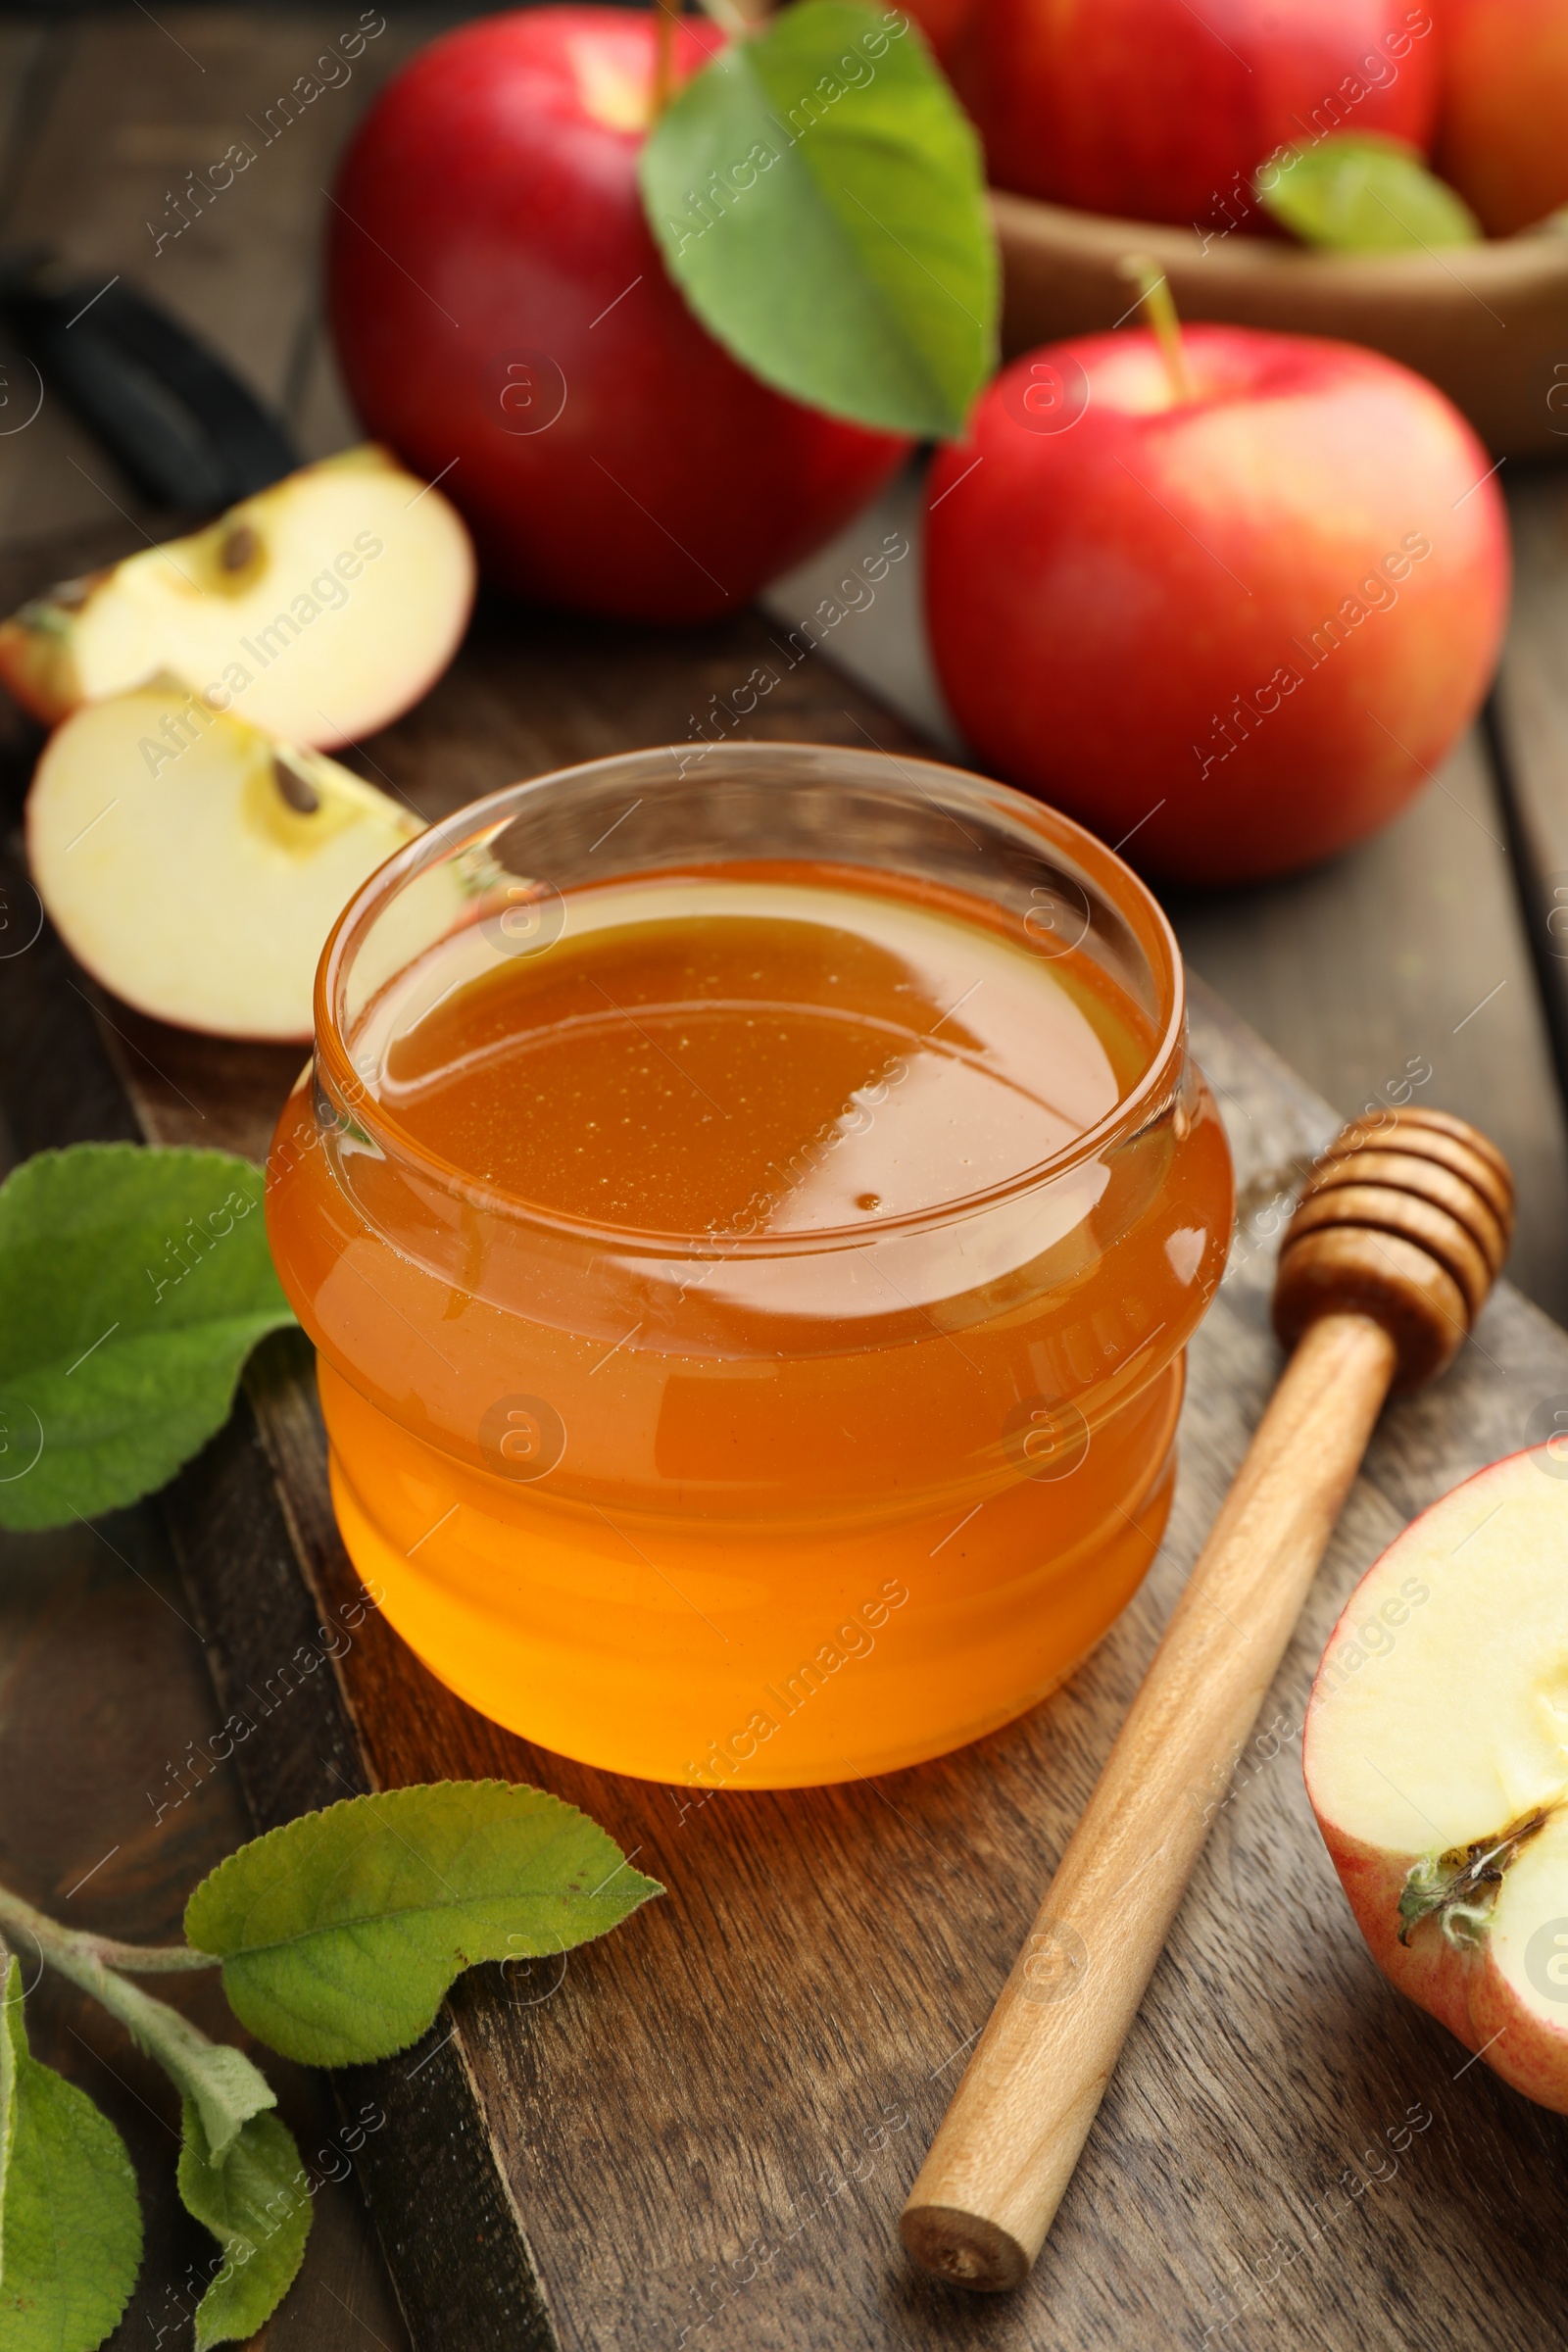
[1407,1223]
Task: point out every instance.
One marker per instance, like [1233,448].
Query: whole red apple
[1502,128]
[504,321]
[1237,628]
[1159,111]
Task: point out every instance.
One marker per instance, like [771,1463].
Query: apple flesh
[500,309]
[1504,104]
[1235,629]
[1158,110]
[1436,1763]
[195,865]
[319,609]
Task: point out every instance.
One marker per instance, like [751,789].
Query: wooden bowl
[1486,322]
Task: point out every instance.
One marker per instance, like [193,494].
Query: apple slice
[1436,1764]
[320,608]
[195,865]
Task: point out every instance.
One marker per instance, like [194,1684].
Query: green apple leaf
[818,196]
[70,2220]
[256,2203]
[1364,194]
[133,1284]
[340,1931]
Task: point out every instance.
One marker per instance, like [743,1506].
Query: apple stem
[665,18]
[1159,309]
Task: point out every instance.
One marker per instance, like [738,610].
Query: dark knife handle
[183,428]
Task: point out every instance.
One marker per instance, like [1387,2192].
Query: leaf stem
[75,1945]
[221,2081]
[159,2029]
[1141,271]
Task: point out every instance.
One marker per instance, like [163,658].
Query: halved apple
[1436,1764]
[194,865]
[320,608]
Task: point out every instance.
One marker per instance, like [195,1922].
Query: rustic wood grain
[1530,711]
[111,1805]
[703,2132]
[1409,956]
[112,111]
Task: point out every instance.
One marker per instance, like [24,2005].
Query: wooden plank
[1408,956]
[319,415]
[153,102]
[28,56]
[702,2133]
[1530,731]
[111,1806]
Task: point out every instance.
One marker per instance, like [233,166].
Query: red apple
[1435,1764]
[949,28]
[504,321]
[1503,127]
[1159,111]
[1238,629]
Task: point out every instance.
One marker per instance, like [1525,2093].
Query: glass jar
[790,1499]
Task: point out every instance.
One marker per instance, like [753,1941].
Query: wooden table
[1423,948]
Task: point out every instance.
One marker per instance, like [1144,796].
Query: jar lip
[928,778]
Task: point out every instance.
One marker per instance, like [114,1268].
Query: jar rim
[932,781]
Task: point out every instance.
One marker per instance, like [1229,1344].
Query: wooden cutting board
[700,2132]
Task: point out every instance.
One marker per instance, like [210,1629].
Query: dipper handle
[1377,1286]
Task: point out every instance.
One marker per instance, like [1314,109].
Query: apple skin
[488,215]
[1505,101]
[1120,593]
[1157,111]
[949,27]
[1460,1984]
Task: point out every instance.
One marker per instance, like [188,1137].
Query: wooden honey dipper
[1383,1270]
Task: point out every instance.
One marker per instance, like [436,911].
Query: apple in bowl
[1504,102]
[1155,109]
[1436,1763]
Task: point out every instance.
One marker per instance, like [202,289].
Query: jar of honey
[751,1204]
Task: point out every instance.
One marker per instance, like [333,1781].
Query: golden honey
[750,1272]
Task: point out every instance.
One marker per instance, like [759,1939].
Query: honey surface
[694,1054]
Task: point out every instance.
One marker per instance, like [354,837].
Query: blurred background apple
[1503,140]
[1158,110]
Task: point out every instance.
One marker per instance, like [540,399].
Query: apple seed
[238,548]
[1461,1885]
[300,795]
